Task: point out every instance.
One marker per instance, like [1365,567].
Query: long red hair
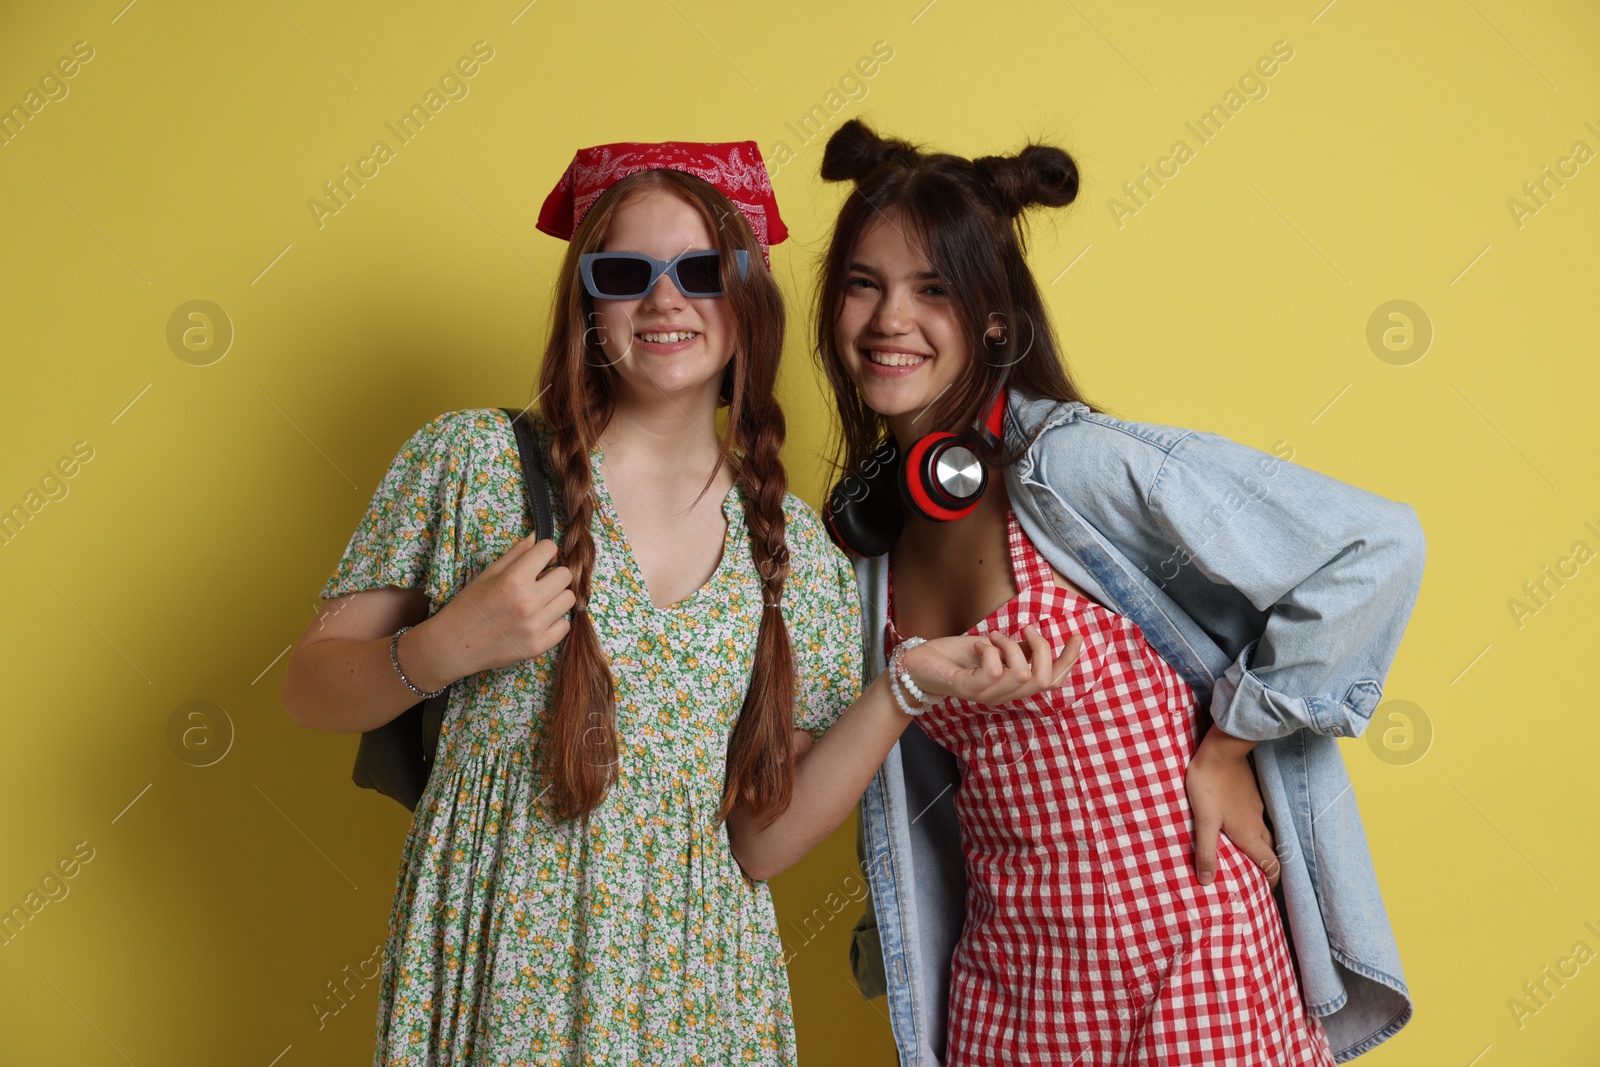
[580,746]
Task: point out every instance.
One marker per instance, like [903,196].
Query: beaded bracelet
[899,676]
[395,659]
[899,697]
[911,687]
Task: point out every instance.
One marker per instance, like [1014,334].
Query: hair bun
[1039,174]
[854,151]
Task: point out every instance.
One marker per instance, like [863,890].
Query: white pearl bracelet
[900,677]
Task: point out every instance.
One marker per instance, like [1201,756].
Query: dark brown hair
[580,745]
[964,216]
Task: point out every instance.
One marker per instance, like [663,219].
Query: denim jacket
[1278,593]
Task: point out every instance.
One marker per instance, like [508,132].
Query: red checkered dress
[1088,938]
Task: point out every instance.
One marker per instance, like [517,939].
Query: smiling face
[899,332]
[663,343]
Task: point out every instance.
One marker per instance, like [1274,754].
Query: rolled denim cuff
[1245,707]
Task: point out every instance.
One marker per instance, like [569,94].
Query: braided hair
[580,743]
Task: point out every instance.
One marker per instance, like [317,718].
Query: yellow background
[187,554]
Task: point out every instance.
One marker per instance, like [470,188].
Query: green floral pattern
[635,939]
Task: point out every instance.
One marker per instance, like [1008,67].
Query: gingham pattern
[1088,938]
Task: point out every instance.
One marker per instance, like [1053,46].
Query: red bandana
[734,167]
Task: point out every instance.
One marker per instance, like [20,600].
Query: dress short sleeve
[408,536]
[823,614]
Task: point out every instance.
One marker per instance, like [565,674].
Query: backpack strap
[534,483]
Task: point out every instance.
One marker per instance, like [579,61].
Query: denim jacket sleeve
[1337,570]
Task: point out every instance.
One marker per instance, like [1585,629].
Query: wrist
[1219,744]
[908,696]
[426,656]
[918,688]
[887,711]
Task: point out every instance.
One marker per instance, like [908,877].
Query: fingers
[528,551]
[1039,659]
[553,580]
[528,544]
[1063,663]
[559,600]
[1207,827]
[1015,661]
[552,586]
[1048,672]
[992,668]
[537,604]
[1259,849]
[551,637]
[538,554]
[975,682]
[1036,670]
[1003,669]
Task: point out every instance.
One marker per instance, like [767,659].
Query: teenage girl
[567,892]
[1107,918]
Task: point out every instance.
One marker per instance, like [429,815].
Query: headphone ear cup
[944,477]
[863,514]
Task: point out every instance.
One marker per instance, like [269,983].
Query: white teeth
[894,359]
[667,338]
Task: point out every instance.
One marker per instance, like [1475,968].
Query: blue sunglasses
[623,275]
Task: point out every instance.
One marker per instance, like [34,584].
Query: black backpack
[397,757]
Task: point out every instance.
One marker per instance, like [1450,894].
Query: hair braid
[580,747]
[760,775]
[580,734]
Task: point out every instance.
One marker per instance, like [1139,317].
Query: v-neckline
[608,507]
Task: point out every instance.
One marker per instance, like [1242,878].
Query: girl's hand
[511,611]
[1225,797]
[991,669]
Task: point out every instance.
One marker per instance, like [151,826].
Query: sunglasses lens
[620,277]
[701,274]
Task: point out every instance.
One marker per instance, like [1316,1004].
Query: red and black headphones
[942,478]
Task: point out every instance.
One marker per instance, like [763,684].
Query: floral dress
[634,938]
